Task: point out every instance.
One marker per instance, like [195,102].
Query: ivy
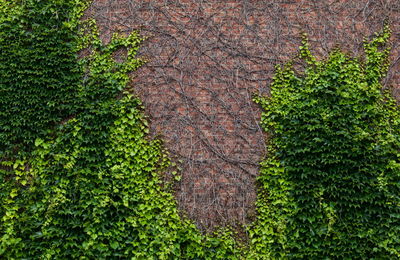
[79,177]
[38,69]
[330,185]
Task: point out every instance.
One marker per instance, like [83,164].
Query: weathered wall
[208,58]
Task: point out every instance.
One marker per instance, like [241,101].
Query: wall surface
[207,58]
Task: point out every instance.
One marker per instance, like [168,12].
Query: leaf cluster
[38,69]
[330,185]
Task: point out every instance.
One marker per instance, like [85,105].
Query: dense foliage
[82,180]
[79,178]
[38,69]
[330,185]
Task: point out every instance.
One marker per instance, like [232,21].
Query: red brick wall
[207,58]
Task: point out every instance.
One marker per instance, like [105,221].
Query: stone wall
[207,59]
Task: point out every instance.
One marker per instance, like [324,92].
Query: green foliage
[330,185]
[88,187]
[38,69]
[79,178]
[94,192]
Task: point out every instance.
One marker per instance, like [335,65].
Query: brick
[207,58]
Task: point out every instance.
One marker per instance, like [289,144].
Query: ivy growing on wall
[330,185]
[79,177]
[39,74]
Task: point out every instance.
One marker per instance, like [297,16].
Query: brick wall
[207,58]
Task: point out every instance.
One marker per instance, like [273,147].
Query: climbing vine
[330,185]
[80,178]
[87,184]
[39,74]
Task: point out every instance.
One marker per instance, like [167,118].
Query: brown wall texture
[207,58]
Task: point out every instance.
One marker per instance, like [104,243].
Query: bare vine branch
[208,58]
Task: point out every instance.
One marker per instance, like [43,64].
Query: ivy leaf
[38,141]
